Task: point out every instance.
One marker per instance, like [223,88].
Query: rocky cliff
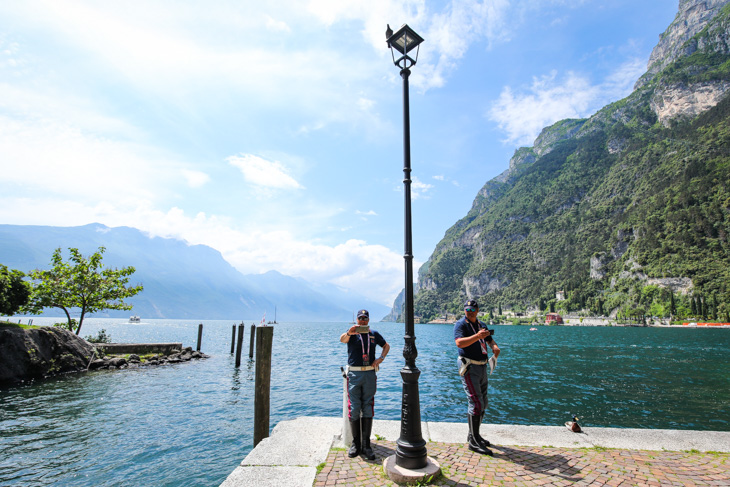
[611,208]
[27,354]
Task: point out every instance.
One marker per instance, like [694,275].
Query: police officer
[472,339]
[362,382]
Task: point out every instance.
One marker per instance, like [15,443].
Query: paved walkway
[308,452]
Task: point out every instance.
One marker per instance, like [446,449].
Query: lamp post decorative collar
[410,462]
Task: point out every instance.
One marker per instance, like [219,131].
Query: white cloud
[523,115]
[49,156]
[419,189]
[276,25]
[195,179]
[260,172]
[372,270]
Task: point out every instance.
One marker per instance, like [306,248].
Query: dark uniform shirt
[462,329]
[356,346]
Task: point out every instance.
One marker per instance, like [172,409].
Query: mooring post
[253,334]
[233,337]
[264,339]
[200,336]
[240,344]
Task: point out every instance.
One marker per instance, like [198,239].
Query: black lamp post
[411,448]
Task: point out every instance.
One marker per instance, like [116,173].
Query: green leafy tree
[80,283]
[14,292]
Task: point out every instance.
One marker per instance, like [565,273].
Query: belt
[358,368]
[475,362]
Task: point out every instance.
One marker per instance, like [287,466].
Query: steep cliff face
[692,18]
[637,195]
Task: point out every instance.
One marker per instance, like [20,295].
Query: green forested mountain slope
[628,211]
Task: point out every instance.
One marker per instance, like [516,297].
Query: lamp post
[411,448]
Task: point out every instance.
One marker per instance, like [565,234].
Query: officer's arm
[345,337]
[495,348]
[464,342]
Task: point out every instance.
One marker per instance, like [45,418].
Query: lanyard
[363,344]
[481,340]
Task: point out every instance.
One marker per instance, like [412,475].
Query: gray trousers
[361,387]
[475,385]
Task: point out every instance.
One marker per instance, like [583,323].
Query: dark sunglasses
[470,310]
[363,318]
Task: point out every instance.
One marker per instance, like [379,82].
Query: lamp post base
[401,475]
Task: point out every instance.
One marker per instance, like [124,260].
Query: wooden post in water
[253,334]
[264,339]
[233,338]
[200,336]
[240,344]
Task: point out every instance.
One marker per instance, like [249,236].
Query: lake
[192,423]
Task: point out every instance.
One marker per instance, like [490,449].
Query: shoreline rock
[28,354]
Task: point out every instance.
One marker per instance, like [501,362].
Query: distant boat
[533,329]
[135,319]
[272,322]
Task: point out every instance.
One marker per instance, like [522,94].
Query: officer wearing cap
[362,382]
[472,339]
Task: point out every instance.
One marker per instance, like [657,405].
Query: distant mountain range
[183,281]
[623,211]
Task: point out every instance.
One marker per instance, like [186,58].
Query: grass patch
[320,467]
[18,325]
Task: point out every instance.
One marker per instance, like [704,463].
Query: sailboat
[273,322]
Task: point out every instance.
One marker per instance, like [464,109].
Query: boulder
[27,354]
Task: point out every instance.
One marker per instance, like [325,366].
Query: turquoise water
[192,423]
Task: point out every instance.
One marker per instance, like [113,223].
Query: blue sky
[272,131]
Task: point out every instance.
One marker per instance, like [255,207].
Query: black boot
[355,448]
[483,441]
[367,428]
[473,443]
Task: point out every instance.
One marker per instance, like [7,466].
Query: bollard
[264,339]
[200,335]
[240,342]
[253,334]
[233,338]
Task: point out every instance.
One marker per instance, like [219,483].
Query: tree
[14,292]
[80,283]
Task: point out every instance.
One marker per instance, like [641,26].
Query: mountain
[180,280]
[627,211]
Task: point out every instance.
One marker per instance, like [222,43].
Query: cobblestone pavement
[528,466]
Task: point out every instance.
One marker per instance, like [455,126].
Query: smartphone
[362,329]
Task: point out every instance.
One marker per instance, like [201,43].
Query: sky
[273,131]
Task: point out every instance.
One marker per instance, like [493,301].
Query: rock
[98,364]
[117,362]
[134,358]
[27,354]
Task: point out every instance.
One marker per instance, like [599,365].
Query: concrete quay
[308,451]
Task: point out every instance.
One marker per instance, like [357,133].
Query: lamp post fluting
[411,448]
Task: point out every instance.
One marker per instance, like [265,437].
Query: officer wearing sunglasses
[362,381]
[472,339]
